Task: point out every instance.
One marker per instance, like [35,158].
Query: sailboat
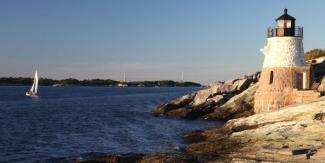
[33,91]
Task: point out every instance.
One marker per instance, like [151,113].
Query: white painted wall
[284,52]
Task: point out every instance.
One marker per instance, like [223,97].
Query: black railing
[283,32]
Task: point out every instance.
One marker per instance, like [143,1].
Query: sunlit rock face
[284,52]
[271,136]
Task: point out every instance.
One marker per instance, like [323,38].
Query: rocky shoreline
[270,136]
[220,101]
[292,134]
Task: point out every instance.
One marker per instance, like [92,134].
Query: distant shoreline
[21,81]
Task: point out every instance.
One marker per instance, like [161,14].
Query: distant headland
[96,82]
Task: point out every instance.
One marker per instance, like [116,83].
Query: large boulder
[194,111]
[217,99]
[230,82]
[184,100]
[174,104]
[202,96]
[241,105]
[255,76]
[242,84]
[191,106]
[221,88]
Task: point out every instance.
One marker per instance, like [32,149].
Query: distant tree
[69,81]
[15,81]
[314,53]
[47,82]
[94,82]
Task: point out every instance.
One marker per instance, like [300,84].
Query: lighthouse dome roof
[285,16]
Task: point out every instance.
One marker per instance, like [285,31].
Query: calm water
[71,121]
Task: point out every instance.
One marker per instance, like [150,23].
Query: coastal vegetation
[94,82]
[314,53]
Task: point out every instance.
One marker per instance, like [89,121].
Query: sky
[147,39]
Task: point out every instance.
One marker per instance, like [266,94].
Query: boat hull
[31,94]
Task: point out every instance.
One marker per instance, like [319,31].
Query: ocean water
[69,122]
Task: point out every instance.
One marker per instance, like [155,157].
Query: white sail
[36,82]
[34,88]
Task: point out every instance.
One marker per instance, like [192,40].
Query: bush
[314,53]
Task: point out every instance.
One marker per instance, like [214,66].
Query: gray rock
[241,85]
[184,99]
[204,101]
[215,86]
[216,99]
[221,88]
[193,112]
[202,96]
[258,75]
[241,105]
[255,76]
[174,104]
[225,89]
[230,82]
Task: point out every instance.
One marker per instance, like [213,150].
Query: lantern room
[285,27]
[285,20]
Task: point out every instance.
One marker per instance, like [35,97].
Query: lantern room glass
[284,23]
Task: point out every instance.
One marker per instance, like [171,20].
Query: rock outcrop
[174,104]
[274,136]
[240,105]
[211,102]
[202,96]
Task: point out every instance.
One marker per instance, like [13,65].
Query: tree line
[314,53]
[94,82]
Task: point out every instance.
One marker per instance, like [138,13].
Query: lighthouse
[285,77]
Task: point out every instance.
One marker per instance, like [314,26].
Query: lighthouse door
[299,81]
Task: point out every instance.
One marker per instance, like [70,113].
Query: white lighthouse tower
[285,78]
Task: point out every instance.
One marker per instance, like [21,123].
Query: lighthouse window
[271,78]
[284,23]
